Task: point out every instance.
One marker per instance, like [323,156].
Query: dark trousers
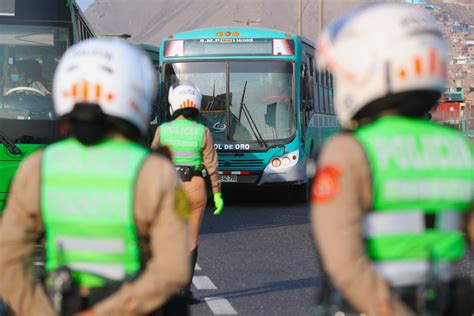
[74,303]
[454,298]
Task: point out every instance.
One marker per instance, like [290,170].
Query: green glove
[218,202]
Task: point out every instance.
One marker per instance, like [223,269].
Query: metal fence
[462,120]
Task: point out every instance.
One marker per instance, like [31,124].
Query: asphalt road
[260,258]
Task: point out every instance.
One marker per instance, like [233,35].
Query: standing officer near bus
[392,194]
[194,155]
[113,215]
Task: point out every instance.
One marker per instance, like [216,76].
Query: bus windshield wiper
[210,105]
[253,125]
[11,147]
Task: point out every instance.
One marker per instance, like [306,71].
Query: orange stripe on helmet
[85,90]
[418,66]
[74,90]
[98,91]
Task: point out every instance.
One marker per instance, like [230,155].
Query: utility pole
[300,17]
[321,9]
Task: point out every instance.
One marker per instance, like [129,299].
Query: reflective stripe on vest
[87,208]
[418,168]
[184,138]
[409,272]
[407,221]
[403,235]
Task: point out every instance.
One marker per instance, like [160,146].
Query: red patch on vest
[326,184]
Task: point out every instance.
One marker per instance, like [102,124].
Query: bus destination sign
[226,40]
[229,46]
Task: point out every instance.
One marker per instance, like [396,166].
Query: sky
[84,4]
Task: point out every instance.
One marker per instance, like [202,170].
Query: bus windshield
[28,58]
[248,101]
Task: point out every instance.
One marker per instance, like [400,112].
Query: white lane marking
[203,283]
[220,306]
[197,267]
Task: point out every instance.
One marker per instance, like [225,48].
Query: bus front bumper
[284,175]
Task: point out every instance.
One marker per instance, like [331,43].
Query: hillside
[150,20]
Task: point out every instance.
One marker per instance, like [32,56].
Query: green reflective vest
[87,208]
[423,179]
[184,138]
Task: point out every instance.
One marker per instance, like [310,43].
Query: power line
[302,13]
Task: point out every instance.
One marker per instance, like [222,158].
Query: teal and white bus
[33,36]
[268,108]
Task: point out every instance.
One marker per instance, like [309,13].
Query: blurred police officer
[393,193]
[113,215]
[194,156]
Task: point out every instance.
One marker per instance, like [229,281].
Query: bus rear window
[229,46]
[7,8]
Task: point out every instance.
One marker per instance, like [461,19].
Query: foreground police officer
[97,196]
[392,192]
[193,153]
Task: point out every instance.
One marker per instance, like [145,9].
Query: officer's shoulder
[342,142]
[161,151]
[164,124]
[343,147]
[199,124]
[206,129]
[32,163]
[158,159]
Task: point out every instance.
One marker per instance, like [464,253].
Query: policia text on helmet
[392,193]
[103,201]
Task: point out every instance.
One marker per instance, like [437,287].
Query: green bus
[33,36]
[268,108]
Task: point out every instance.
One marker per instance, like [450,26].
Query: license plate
[228,178]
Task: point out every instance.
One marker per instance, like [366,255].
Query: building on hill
[455,110]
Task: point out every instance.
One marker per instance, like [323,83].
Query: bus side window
[311,89]
[82,28]
[328,92]
[321,92]
[331,93]
[317,101]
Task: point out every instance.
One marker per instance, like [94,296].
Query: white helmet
[184,96]
[380,50]
[111,73]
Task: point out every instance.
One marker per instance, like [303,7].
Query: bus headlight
[276,162]
[287,160]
